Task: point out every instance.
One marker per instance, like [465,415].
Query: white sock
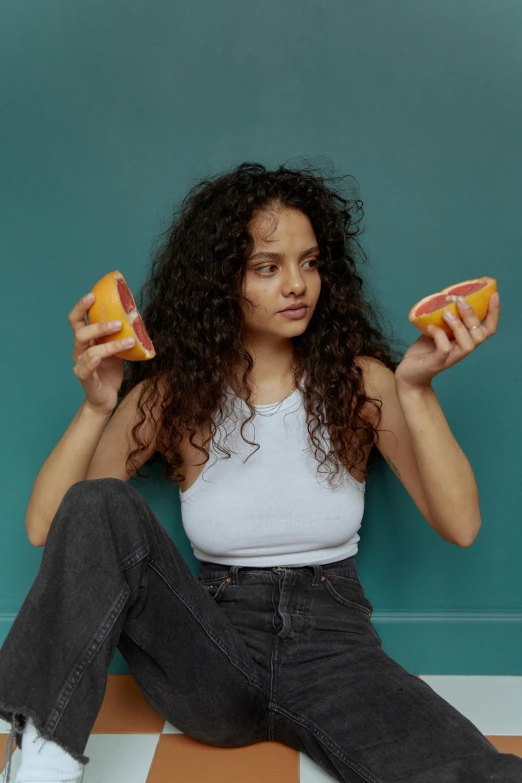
[43,761]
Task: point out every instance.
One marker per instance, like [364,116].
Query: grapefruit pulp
[114,302]
[430,309]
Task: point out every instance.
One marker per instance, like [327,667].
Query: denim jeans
[234,656]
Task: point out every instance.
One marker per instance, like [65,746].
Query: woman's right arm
[100,373]
[68,463]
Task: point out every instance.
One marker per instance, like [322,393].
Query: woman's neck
[267,388]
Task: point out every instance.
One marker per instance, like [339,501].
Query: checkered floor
[130,743]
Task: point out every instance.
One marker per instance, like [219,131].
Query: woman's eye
[272,266]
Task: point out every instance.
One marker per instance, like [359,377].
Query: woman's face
[273,283]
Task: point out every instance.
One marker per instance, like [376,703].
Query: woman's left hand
[428,356]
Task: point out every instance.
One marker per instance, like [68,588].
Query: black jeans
[232,657]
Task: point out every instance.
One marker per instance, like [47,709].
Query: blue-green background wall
[112,110]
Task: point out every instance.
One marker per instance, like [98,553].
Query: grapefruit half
[114,302]
[430,309]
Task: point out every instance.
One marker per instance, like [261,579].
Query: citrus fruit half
[114,302]
[430,309]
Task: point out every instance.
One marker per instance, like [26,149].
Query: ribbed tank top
[274,508]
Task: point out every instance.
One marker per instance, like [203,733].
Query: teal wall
[112,110]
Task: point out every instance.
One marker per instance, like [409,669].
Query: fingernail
[447,314]
[87,298]
[495,298]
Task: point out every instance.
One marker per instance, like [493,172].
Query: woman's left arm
[447,477]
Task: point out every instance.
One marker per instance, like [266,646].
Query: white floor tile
[119,757]
[170,729]
[113,758]
[310,772]
[492,704]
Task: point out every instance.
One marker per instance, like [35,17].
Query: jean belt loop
[233,574]
[318,572]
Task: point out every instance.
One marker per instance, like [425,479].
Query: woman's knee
[100,486]
[98,491]
[92,503]
[100,513]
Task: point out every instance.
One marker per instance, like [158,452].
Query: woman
[273,640]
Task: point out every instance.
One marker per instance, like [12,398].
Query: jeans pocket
[215,587]
[348,592]
[141,601]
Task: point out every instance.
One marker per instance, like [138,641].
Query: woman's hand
[98,370]
[427,356]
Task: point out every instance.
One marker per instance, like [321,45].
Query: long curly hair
[191,306]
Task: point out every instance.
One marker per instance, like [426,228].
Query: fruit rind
[108,305]
[478,299]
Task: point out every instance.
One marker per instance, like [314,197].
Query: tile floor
[130,743]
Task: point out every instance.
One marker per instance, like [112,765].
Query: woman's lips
[294,314]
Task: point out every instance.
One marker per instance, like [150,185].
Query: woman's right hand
[101,379]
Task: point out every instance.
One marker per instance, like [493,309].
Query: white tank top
[274,508]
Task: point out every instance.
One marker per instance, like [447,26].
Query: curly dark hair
[190,304]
